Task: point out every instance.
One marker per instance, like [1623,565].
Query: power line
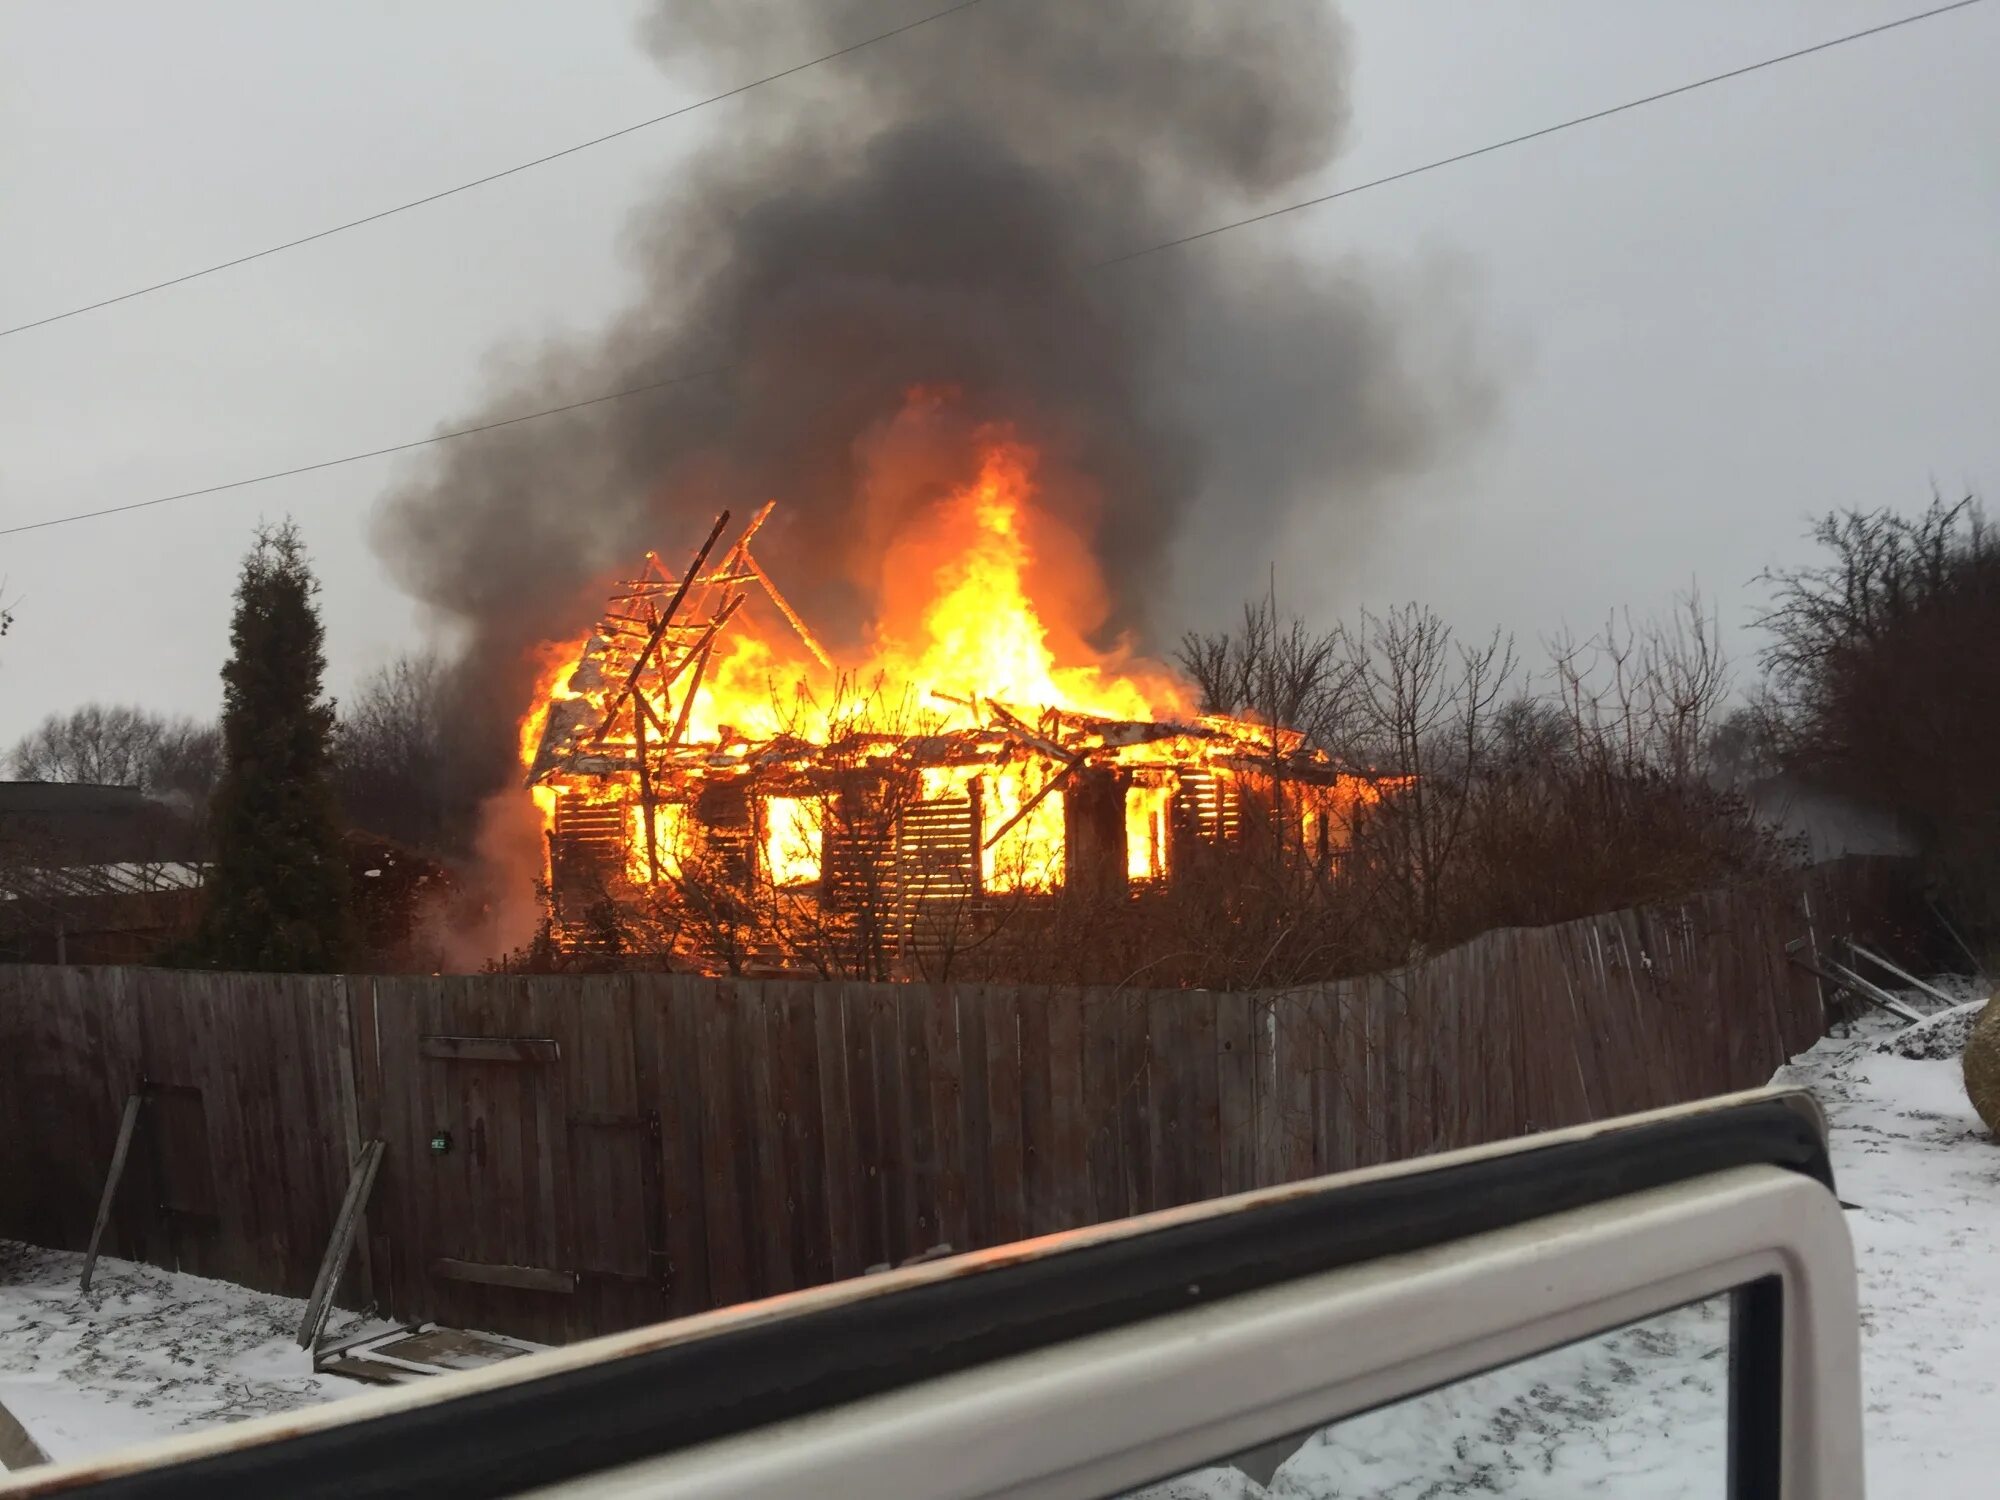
[355,458]
[463,187]
[1535,135]
[1115,260]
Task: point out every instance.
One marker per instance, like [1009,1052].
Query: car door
[1663,1305]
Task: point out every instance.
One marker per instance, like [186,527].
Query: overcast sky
[1703,321]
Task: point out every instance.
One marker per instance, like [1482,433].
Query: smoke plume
[933,211]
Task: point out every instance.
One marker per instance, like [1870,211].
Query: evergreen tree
[277,893]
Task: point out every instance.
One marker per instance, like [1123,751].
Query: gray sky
[1703,320]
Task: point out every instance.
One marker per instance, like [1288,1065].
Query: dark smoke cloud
[927,212]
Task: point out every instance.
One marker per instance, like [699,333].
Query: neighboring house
[1831,825]
[93,874]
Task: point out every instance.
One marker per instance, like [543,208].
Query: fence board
[947,1103]
[920,1173]
[803,1102]
[1129,1016]
[1068,1167]
[723,1127]
[1103,1091]
[975,1118]
[807,1131]
[1235,1161]
[1038,1167]
[1168,1122]
[872,1184]
[840,1160]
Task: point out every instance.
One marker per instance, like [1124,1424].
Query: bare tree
[399,765]
[1423,714]
[1884,660]
[118,745]
[1276,673]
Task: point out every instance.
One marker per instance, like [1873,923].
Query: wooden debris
[360,1182]
[126,1124]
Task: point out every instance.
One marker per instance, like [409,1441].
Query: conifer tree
[277,892]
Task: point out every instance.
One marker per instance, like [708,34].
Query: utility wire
[464,187]
[1130,255]
[1535,135]
[355,458]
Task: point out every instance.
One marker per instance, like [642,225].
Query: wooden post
[646,791]
[126,1124]
[1903,974]
[693,687]
[791,615]
[360,1182]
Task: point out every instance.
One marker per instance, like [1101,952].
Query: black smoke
[936,211]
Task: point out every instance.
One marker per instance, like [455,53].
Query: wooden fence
[566,1156]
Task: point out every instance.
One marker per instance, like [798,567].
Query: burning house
[909,293]
[712,776]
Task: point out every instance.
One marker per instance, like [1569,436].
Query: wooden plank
[1169,1126]
[1345,1116]
[1236,1094]
[1500,1038]
[947,1115]
[1131,1017]
[1309,1038]
[1420,1023]
[1038,1163]
[873,1245]
[1069,1136]
[803,1099]
[892,1115]
[1266,1157]
[767,1194]
[498,1049]
[1102,1088]
[347,1081]
[1003,1092]
[1204,1095]
[613,1195]
[920,1154]
[360,1183]
[127,1122]
[666,1012]
[17,1450]
[839,1156]
[730,1272]
[975,1121]
[521,1278]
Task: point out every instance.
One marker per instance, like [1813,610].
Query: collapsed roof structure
[878,817]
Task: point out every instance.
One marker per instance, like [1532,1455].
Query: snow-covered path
[1634,1414]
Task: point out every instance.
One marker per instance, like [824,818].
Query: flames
[975,687]
[971,630]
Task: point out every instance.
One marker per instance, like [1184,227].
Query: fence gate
[497,1180]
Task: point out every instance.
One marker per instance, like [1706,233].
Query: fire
[792,840]
[982,634]
[975,744]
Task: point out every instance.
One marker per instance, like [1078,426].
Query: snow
[1637,1413]
[146,1354]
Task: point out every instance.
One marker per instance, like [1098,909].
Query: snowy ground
[1638,1413]
[147,1354]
